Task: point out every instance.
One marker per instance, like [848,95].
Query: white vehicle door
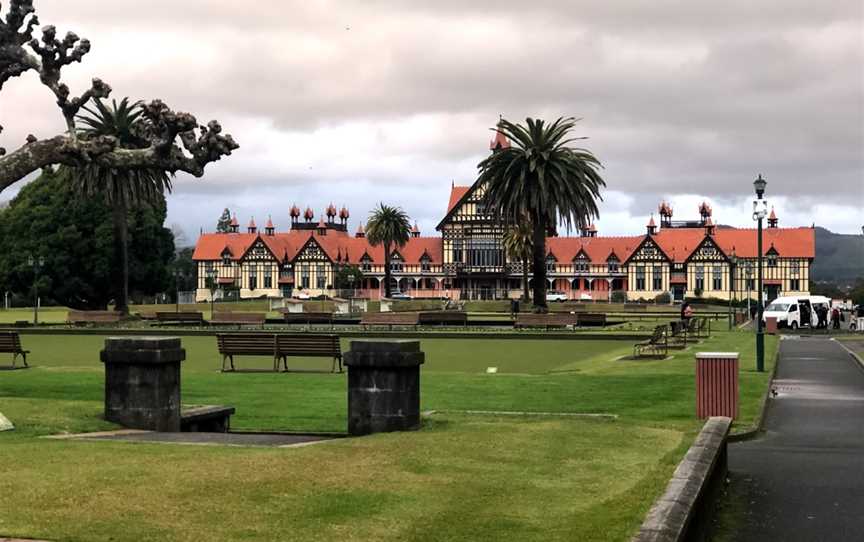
[793,315]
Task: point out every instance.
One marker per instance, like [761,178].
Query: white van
[795,312]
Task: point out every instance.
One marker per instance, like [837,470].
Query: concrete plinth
[383,386]
[142,382]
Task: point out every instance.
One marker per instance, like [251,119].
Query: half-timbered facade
[468,261]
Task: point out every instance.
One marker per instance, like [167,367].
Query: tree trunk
[121,249]
[526,293]
[387,291]
[539,265]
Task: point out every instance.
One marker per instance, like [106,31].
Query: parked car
[301,295]
[555,295]
[400,295]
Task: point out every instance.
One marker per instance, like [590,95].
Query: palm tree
[518,245]
[541,177]
[121,188]
[388,226]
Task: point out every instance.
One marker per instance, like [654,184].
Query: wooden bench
[442,318]
[546,321]
[196,318]
[279,346]
[10,343]
[238,318]
[306,345]
[206,419]
[308,318]
[390,319]
[93,317]
[591,319]
[658,344]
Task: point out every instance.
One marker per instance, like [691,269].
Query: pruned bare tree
[176,141]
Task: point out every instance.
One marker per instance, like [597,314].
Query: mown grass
[479,477]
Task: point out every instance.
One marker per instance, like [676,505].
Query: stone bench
[206,419]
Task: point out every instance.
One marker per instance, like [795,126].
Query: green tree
[518,243]
[224,223]
[76,239]
[343,274]
[541,177]
[122,189]
[388,226]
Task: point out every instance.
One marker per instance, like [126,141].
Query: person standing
[835,318]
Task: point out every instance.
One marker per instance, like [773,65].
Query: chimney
[415,231]
[709,226]
[269,229]
[772,219]
[235,225]
[322,227]
[252,228]
[360,232]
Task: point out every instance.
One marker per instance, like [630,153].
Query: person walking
[835,318]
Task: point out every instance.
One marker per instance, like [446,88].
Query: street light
[36,264]
[350,292]
[211,279]
[760,211]
[733,262]
[178,276]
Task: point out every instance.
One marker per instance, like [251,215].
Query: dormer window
[425,263]
[550,263]
[613,264]
[366,263]
[771,258]
[396,263]
[581,263]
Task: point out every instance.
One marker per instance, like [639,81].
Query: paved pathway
[804,479]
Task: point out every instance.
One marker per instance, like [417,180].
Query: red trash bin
[716,384]
[771,325]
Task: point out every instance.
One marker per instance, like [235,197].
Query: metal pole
[35,294]
[760,334]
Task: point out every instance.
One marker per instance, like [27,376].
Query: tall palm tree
[518,243]
[541,177]
[121,188]
[388,226]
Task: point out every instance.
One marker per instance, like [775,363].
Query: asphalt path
[804,478]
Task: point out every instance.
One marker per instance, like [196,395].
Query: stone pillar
[383,386]
[142,382]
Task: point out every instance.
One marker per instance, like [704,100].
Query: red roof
[456,193]
[210,246]
[679,243]
[598,249]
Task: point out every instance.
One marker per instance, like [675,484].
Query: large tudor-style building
[467,260]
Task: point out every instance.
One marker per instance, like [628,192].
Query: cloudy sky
[386,100]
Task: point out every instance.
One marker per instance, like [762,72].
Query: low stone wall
[683,511]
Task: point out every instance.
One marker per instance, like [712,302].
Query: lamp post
[36,264]
[211,279]
[351,292]
[760,211]
[178,276]
[733,262]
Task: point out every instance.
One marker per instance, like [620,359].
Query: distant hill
[839,258]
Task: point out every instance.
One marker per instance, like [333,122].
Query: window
[772,260]
[457,251]
[396,264]
[366,263]
[268,278]
[640,278]
[657,277]
[613,265]
[226,259]
[718,278]
[253,281]
[550,264]
[581,265]
[304,277]
[484,252]
[751,284]
[424,264]
[320,278]
[700,278]
[795,285]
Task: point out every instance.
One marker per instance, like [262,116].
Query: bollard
[142,382]
[716,384]
[383,386]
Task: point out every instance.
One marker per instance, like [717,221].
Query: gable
[311,251]
[707,251]
[648,251]
[259,251]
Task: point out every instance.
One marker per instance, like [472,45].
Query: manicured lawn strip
[461,478]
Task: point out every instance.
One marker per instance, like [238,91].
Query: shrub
[618,296]
[663,299]
[697,292]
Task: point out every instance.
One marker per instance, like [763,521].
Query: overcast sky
[359,102]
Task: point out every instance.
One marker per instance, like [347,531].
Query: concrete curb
[756,428]
[681,513]
[855,356]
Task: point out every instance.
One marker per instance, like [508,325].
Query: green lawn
[462,477]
